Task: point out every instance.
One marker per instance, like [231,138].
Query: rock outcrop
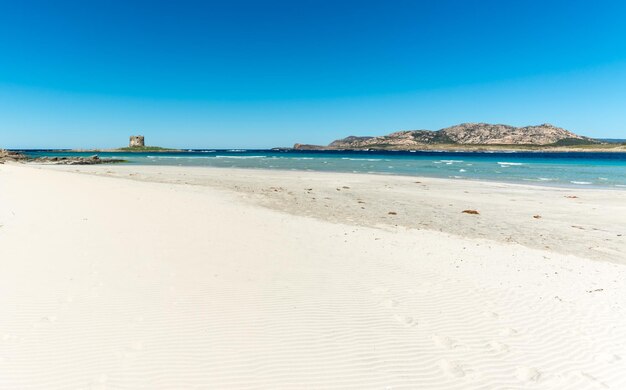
[74,160]
[308,147]
[483,133]
[464,134]
[8,156]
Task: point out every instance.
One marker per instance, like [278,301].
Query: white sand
[110,283]
[580,221]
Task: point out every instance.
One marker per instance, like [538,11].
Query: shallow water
[579,169]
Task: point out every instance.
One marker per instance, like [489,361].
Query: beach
[158,277]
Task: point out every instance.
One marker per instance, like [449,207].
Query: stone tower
[136,141]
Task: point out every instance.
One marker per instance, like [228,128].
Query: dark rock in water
[92,160]
[8,156]
[308,147]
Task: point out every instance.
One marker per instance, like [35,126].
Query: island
[475,137]
[136,144]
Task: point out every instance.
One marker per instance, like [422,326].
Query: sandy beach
[125,277]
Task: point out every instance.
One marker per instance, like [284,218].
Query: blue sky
[271,73]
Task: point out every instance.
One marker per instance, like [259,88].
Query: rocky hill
[464,134]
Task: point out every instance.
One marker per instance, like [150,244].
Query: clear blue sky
[270,73]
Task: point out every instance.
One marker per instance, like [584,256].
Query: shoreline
[607,174]
[525,183]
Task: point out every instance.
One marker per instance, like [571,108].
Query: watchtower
[136,141]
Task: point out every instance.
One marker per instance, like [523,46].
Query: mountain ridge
[472,134]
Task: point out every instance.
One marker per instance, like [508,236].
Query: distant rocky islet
[11,156]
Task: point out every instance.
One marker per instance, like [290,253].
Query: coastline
[567,169]
[166,277]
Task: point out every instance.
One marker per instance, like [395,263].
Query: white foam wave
[179,157]
[361,159]
[580,182]
[509,163]
[240,157]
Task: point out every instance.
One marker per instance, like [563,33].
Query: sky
[259,74]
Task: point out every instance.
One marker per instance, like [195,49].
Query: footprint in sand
[49,319]
[508,332]
[44,321]
[497,346]
[133,350]
[443,341]
[527,374]
[9,337]
[606,357]
[592,379]
[389,303]
[99,382]
[490,314]
[451,368]
[380,290]
[405,320]
[136,346]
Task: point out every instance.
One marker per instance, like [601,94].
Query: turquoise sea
[572,169]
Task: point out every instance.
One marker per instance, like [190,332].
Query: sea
[564,169]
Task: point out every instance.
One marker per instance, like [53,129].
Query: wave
[580,182]
[510,163]
[362,159]
[240,157]
[179,157]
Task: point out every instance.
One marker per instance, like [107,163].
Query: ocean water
[573,169]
